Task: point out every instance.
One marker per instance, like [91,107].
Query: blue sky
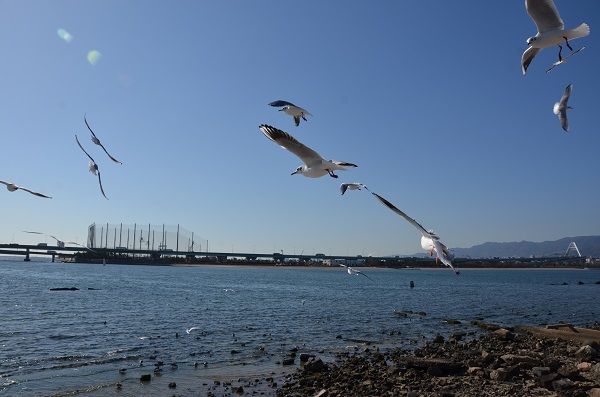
[426,98]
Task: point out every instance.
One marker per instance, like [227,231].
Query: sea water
[122,319]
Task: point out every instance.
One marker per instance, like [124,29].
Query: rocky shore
[498,363]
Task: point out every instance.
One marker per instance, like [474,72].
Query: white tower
[573,248]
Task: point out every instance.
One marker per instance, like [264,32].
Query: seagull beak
[294,173]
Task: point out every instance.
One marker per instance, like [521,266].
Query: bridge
[53,251]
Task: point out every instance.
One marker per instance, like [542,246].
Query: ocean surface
[125,318]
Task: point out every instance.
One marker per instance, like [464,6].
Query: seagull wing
[97,141]
[343,188]
[442,253]
[83,149]
[527,57]
[280,104]
[544,15]
[288,142]
[562,116]
[359,272]
[100,182]
[565,98]
[34,193]
[416,224]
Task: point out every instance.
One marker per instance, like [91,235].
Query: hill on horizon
[589,246]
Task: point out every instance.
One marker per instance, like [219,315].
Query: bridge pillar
[27,256]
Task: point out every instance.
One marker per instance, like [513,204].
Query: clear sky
[427,98]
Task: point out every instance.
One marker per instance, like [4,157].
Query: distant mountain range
[589,246]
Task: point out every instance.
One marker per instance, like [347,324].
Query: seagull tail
[580,31]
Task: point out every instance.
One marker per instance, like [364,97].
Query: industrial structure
[144,237]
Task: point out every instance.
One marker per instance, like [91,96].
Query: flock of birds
[551,32]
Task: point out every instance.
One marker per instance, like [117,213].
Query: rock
[172,385]
[451,321]
[586,352]
[563,384]
[435,371]
[315,365]
[238,390]
[438,339]
[304,357]
[595,392]
[568,371]
[499,374]
[513,359]
[145,378]
[539,371]
[64,289]
[487,357]
[504,334]
[288,361]
[584,367]
[546,380]
[322,393]
[592,343]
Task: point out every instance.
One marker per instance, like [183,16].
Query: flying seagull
[60,243]
[314,165]
[97,141]
[351,186]
[189,330]
[13,188]
[291,109]
[564,59]
[561,107]
[429,240]
[93,167]
[354,272]
[550,30]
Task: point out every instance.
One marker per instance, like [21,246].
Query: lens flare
[93,57]
[63,34]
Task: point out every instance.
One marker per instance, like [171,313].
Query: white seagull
[351,186]
[13,188]
[291,109]
[429,240]
[59,243]
[314,165]
[189,330]
[93,167]
[354,272]
[97,141]
[561,107]
[550,30]
[564,59]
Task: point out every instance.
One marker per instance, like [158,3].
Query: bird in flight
[59,243]
[314,165]
[550,30]
[93,167]
[429,240]
[291,109]
[354,272]
[97,142]
[561,107]
[351,186]
[13,188]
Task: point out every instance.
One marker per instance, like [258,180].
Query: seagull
[97,141]
[13,188]
[60,243]
[561,107]
[291,109]
[351,186]
[550,30]
[564,59]
[429,240]
[353,272]
[93,167]
[314,165]
[189,330]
